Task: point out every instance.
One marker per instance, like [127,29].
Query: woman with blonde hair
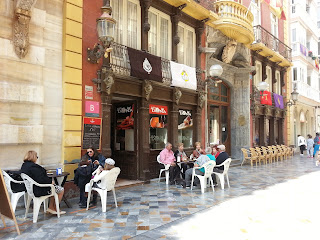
[198,151]
[39,174]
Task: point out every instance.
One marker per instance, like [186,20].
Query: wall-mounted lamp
[215,72]
[106,32]
[294,98]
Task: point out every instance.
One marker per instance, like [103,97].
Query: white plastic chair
[226,165]
[165,169]
[37,201]
[15,196]
[111,178]
[208,168]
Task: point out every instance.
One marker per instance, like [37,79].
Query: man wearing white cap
[221,158]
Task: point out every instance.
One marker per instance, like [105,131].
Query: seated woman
[215,151]
[95,157]
[39,174]
[198,151]
[99,180]
[183,157]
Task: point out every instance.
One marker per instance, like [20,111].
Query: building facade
[305,69]
[271,56]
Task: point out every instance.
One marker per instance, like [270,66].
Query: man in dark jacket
[83,176]
[220,159]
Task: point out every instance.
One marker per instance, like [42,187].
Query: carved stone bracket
[229,51]
[177,95]
[21,27]
[147,89]
[201,99]
[108,79]
[175,20]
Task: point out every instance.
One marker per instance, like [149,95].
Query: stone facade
[237,77]
[31,87]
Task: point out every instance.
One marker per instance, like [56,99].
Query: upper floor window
[269,78]
[159,35]
[277,84]
[274,25]
[295,74]
[294,36]
[187,45]
[255,9]
[258,76]
[127,13]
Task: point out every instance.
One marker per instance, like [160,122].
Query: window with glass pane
[185,127]
[127,15]
[164,38]
[189,51]
[132,25]
[214,124]
[152,33]
[181,45]
[224,123]
[158,133]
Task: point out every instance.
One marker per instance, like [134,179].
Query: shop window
[185,127]
[158,131]
[124,139]
[159,35]
[127,13]
[186,46]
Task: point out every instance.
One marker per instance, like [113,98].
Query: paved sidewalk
[154,211]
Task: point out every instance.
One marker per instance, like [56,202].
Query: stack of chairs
[267,154]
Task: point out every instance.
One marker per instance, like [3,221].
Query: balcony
[235,21]
[271,47]
[307,91]
[121,65]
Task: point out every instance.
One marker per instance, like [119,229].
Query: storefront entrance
[219,116]
[124,138]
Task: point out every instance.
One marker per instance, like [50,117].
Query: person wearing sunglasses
[95,157]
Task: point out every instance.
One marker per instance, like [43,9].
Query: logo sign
[92,109]
[157,109]
[147,66]
[185,112]
[184,76]
[88,92]
[126,109]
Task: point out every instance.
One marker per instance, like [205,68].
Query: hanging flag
[183,76]
[277,7]
[145,65]
[266,98]
[278,101]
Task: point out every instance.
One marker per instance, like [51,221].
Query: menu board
[91,132]
[158,116]
[185,119]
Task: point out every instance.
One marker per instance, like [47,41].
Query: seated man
[220,159]
[205,157]
[167,157]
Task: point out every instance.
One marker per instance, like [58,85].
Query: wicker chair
[266,154]
[246,157]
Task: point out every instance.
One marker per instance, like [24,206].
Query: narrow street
[278,201]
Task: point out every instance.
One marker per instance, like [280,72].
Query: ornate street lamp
[106,32]
[263,86]
[215,72]
[294,97]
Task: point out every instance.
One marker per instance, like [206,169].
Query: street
[274,201]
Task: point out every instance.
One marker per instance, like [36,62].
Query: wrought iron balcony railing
[263,36]
[121,65]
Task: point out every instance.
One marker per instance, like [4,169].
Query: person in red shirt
[215,151]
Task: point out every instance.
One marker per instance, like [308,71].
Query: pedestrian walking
[316,144]
[301,144]
[310,143]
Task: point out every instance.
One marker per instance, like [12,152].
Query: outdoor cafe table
[55,176]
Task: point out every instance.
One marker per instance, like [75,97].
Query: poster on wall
[158,116]
[185,119]
[91,132]
[125,117]
[88,92]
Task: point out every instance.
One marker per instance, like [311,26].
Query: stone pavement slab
[154,211]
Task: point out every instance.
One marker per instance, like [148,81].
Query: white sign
[183,76]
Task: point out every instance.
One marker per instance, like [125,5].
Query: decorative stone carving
[201,99]
[229,51]
[146,5]
[241,120]
[21,27]
[147,89]
[108,79]
[177,95]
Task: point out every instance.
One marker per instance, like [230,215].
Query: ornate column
[271,130]
[199,32]
[197,119]
[143,132]
[175,19]
[145,5]
[174,116]
[262,134]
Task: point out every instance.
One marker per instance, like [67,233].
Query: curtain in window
[181,45]
[152,33]
[164,38]
[132,25]
[189,49]
[117,14]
